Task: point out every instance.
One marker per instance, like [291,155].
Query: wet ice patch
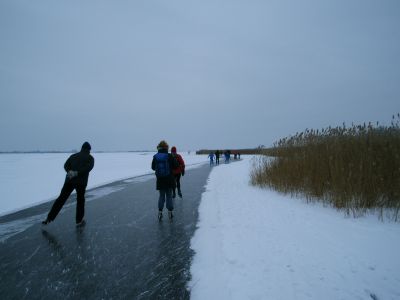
[195,165]
[12,228]
[139,178]
[101,192]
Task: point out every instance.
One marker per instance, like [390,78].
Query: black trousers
[178,182]
[66,191]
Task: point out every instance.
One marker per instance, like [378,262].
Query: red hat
[173,149]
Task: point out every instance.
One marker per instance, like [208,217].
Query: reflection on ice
[9,229]
[101,192]
[139,178]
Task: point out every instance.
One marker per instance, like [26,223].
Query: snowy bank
[256,244]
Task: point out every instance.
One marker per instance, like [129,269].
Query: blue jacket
[167,182]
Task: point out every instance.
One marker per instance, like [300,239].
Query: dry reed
[353,168]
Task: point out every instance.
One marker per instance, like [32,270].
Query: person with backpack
[163,163]
[211,157]
[77,166]
[178,171]
[227,154]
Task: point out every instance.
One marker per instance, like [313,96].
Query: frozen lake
[30,179]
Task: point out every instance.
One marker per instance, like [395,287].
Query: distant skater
[227,156]
[217,154]
[163,163]
[77,166]
[211,157]
[178,171]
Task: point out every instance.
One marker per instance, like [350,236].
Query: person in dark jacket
[178,172]
[163,163]
[77,166]
[217,154]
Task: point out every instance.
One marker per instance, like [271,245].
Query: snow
[253,243]
[30,179]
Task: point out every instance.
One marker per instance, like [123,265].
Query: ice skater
[178,172]
[163,163]
[227,156]
[217,154]
[77,166]
[211,157]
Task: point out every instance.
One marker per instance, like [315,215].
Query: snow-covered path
[256,244]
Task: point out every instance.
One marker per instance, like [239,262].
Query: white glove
[71,174]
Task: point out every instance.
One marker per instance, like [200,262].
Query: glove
[71,174]
[183,173]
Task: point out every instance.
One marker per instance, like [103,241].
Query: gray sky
[200,74]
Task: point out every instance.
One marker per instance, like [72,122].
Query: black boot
[81,223]
[45,222]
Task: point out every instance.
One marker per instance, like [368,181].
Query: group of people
[227,155]
[168,167]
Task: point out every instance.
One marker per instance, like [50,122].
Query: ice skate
[81,223]
[46,222]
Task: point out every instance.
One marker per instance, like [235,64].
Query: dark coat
[82,162]
[167,182]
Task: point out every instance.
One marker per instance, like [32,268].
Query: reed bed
[355,169]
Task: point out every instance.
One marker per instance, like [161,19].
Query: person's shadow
[72,262]
[64,253]
[54,244]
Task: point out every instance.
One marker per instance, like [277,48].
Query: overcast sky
[200,74]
